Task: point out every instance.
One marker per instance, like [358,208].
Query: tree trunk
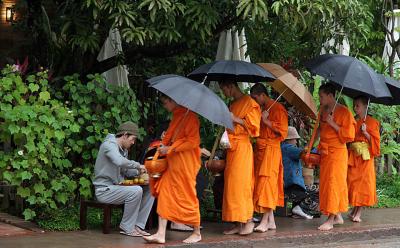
[381,164]
[389,164]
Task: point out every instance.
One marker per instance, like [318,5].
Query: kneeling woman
[176,189]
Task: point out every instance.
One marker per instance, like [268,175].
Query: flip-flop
[131,234]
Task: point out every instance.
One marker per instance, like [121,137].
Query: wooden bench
[107,208]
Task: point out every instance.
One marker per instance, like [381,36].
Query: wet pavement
[7,230]
[379,225]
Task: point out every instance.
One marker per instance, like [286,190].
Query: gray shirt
[112,164]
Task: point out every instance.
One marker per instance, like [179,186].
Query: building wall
[8,36]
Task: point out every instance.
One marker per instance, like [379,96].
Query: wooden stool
[107,208]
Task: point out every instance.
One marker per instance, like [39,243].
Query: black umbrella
[233,70]
[195,97]
[350,75]
[394,88]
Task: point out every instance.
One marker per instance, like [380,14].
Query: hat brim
[127,132]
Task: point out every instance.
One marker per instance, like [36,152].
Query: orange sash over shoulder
[361,178]
[333,192]
[268,160]
[177,200]
[238,175]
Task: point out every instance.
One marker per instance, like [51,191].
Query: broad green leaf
[23,192]
[29,214]
[45,96]
[33,87]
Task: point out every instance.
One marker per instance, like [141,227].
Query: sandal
[131,234]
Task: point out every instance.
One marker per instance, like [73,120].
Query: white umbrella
[112,47]
[387,51]
[232,46]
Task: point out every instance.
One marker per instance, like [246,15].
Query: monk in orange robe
[361,179]
[176,189]
[268,158]
[237,205]
[337,127]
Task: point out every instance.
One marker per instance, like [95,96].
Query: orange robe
[177,200]
[333,167]
[237,203]
[268,160]
[361,179]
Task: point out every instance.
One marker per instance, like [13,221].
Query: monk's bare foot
[271,226]
[352,213]
[247,228]
[356,219]
[326,226]
[155,238]
[261,228]
[232,231]
[338,220]
[193,238]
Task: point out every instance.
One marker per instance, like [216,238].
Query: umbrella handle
[366,110]
[277,99]
[336,100]
[204,80]
[216,142]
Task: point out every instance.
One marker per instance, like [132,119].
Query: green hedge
[54,135]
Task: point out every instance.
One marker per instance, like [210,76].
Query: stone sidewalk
[290,233]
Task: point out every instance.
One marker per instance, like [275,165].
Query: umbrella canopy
[350,74]
[195,97]
[394,88]
[234,70]
[112,47]
[292,89]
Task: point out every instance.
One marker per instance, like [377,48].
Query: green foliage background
[54,140]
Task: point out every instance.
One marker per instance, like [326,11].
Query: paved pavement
[7,230]
[379,227]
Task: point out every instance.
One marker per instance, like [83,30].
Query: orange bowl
[155,167]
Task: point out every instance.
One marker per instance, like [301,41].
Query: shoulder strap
[179,127]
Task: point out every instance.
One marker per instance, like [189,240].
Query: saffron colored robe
[177,200]
[333,192]
[268,160]
[237,203]
[361,179]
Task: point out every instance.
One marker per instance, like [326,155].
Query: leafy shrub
[53,141]
[98,109]
[67,219]
[36,126]
[388,190]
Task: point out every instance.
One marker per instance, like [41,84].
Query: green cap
[128,127]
